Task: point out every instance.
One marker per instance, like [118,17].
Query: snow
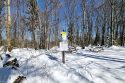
[41,66]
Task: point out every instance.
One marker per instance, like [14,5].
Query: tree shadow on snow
[52,57]
[4,74]
[41,72]
[103,58]
[80,75]
[114,72]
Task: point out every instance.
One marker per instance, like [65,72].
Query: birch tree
[7,14]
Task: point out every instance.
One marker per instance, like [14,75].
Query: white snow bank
[116,47]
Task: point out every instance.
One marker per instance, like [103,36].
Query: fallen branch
[19,79]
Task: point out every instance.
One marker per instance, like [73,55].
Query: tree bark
[8,23]
[112,22]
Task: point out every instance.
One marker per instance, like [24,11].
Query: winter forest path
[40,66]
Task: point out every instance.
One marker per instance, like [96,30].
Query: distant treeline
[38,23]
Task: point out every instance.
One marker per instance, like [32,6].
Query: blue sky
[78,9]
[63,23]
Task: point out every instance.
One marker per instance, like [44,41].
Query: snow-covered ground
[41,66]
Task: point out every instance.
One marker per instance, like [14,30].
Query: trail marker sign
[64,36]
[63,45]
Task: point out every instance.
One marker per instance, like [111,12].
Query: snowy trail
[78,69]
[103,57]
[108,68]
[40,66]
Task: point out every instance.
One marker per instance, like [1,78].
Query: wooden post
[63,57]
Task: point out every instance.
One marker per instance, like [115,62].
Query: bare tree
[8,23]
[0,23]
[83,5]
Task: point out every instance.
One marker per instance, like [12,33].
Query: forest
[38,23]
[62,41]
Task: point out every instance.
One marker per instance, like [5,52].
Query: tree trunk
[33,32]
[8,23]
[83,20]
[89,29]
[112,22]
[103,30]
[15,34]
